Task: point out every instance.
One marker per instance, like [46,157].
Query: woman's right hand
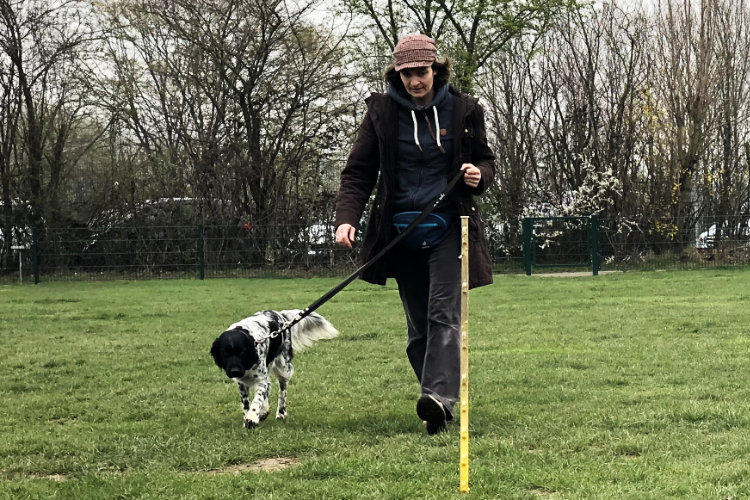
[345,235]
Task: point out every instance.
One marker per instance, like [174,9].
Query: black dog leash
[333,291]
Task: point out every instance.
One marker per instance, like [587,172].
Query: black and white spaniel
[246,354]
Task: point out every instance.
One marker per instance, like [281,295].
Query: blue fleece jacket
[422,169]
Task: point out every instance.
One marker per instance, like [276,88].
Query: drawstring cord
[436,138]
[429,129]
[416,136]
[437,125]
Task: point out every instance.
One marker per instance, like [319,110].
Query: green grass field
[633,385]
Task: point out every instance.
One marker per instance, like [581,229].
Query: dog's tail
[313,327]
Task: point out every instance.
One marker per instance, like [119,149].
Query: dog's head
[234,352]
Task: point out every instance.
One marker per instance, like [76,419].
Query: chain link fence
[204,252]
[591,243]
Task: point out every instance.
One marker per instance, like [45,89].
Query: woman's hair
[441,67]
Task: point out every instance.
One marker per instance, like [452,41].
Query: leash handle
[336,289]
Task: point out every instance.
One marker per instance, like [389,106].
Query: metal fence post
[527,229]
[201,262]
[35,254]
[594,244]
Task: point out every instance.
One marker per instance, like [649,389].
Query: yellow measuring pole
[464,430]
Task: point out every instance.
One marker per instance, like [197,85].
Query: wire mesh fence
[619,244]
[198,252]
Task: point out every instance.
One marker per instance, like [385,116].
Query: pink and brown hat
[414,51]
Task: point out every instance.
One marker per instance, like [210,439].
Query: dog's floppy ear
[216,353]
[249,352]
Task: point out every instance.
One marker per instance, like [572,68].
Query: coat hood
[403,99]
[405,102]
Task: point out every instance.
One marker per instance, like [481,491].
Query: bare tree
[10,103]
[508,87]
[472,32]
[44,42]
[725,177]
[238,98]
[686,60]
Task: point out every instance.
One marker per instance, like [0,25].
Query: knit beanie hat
[414,51]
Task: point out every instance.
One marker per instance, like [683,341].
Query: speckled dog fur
[246,356]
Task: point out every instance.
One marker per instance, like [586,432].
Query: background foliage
[243,111]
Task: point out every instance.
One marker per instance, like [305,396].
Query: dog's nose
[235,372]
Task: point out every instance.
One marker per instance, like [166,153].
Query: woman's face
[418,83]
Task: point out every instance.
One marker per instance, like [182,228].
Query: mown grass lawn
[633,385]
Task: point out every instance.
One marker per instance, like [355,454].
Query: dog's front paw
[251,421]
[280,414]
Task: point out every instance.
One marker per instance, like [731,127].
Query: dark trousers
[429,283]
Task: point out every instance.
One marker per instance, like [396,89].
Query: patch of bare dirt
[58,478]
[263,465]
[571,275]
[272,464]
[540,492]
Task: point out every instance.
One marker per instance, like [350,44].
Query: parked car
[739,232]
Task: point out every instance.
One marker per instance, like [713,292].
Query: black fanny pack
[427,234]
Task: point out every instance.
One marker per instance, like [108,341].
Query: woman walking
[413,140]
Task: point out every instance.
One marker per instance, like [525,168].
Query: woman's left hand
[472,174]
